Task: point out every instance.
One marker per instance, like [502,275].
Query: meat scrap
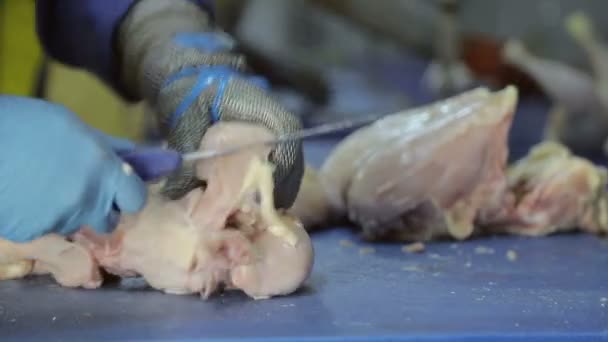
[551,190]
[440,171]
[415,247]
[229,234]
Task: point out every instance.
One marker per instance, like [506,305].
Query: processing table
[497,289]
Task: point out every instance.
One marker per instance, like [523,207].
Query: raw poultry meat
[441,171]
[551,190]
[447,74]
[579,118]
[311,205]
[70,264]
[581,29]
[229,234]
[423,173]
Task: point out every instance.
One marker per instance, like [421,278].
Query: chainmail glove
[173,57]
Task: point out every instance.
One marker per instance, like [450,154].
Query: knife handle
[152,163]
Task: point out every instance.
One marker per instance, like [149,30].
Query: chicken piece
[553,191]
[16,269]
[279,268]
[562,83]
[228,234]
[580,27]
[447,74]
[582,120]
[70,264]
[424,173]
[311,206]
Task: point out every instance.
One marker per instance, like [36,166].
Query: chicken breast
[424,173]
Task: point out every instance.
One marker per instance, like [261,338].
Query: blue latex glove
[58,174]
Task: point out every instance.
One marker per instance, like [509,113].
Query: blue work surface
[555,287]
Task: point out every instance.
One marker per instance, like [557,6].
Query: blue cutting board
[555,289]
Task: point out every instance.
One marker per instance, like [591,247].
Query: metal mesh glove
[173,58]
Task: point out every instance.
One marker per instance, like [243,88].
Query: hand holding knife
[152,163]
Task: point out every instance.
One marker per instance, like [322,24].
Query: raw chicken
[230,234]
[580,27]
[311,205]
[565,85]
[424,173]
[70,264]
[579,118]
[447,74]
[550,191]
[440,171]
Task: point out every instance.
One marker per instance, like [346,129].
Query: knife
[152,163]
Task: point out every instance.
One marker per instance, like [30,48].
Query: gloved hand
[58,174]
[172,57]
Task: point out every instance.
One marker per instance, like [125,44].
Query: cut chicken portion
[579,118]
[229,234]
[311,205]
[210,237]
[424,173]
[551,191]
[70,264]
[564,84]
[580,27]
[16,269]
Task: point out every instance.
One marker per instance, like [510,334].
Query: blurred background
[330,59]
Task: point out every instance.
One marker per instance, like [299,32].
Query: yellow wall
[20,55]
[94,102]
[19,49]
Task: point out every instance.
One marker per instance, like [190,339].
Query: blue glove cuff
[206,42]
[207,75]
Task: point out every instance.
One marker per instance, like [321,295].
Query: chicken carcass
[70,264]
[229,234]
